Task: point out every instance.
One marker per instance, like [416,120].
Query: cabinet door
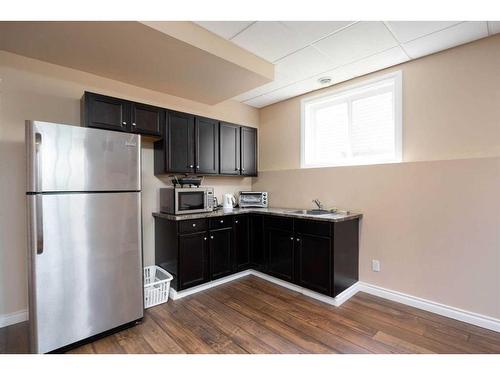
[314,262]
[207,145]
[248,151]
[221,253]
[241,243]
[280,245]
[147,120]
[229,138]
[180,142]
[193,254]
[257,248]
[105,112]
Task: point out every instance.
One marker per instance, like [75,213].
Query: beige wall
[30,89]
[434,220]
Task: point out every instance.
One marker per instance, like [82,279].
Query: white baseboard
[337,301]
[431,306]
[13,318]
[184,293]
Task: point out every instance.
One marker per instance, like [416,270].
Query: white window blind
[360,125]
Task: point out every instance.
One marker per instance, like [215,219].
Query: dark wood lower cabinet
[221,253]
[314,254]
[317,255]
[241,243]
[193,268]
[280,253]
[256,242]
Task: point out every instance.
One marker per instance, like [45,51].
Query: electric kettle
[228,202]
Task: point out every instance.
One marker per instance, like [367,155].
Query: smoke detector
[325,80]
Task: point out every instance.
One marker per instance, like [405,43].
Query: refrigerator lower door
[85,265]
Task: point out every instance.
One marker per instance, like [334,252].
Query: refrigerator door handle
[38,167]
[39,224]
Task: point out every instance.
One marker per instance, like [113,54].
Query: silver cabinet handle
[39,224]
[211,237]
[236,169]
[236,221]
[243,169]
[298,239]
[191,166]
[222,221]
[204,238]
[133,124]
[291,238]
[194,225]
[197,167]
[124,123]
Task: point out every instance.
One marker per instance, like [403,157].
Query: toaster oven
[253,199]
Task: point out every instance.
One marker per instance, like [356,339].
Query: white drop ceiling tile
[303,63]
[462,33]
[310,31]
[225,29]
[270,40]
[409,30]
[494,27]
[357,41]
[382,60]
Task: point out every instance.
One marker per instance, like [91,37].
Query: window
[355,126]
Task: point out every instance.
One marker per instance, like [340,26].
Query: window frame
[398,119]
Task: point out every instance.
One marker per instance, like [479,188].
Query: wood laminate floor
[251,315]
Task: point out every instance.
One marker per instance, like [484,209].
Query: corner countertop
[333,217]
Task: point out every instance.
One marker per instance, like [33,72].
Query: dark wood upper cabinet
[105,112]
[180,142]
[147,119]
[248,151]
[186,143]
[229,137]
[207,145]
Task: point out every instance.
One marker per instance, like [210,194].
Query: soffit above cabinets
[304,51]
[177,58]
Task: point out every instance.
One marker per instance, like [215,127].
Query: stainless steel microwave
[179,201]
[252,199]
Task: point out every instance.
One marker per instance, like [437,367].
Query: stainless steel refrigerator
[84,232]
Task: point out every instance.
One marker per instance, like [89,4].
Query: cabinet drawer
[313,227]
[283,223]
[192,226]
[221,222]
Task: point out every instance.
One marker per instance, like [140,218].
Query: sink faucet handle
[318,203]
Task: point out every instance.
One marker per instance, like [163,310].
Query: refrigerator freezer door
[73,158]
[87,278]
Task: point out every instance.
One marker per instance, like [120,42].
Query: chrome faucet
[318,203]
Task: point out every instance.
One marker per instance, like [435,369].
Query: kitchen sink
[310,212]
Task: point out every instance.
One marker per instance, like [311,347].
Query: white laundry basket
[156,286]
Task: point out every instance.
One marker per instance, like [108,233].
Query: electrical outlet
[375,265]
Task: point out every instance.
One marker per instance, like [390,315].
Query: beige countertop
[286,212]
